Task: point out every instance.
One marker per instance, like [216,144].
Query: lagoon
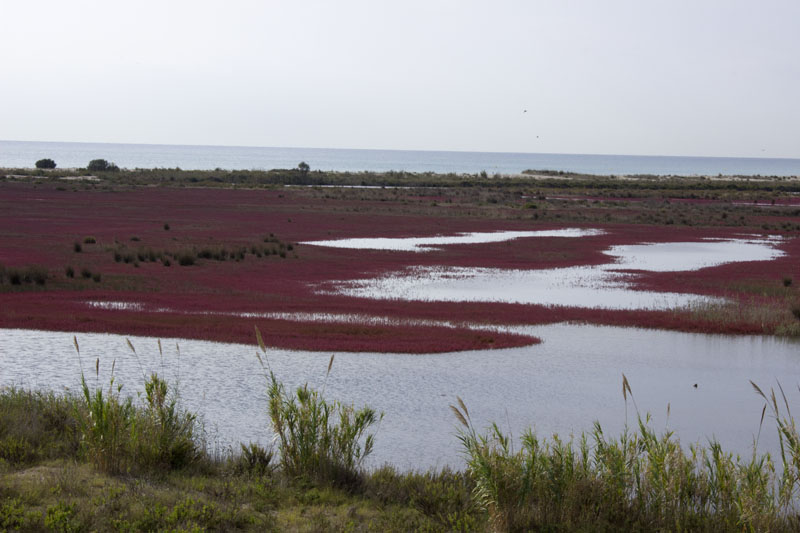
[562,385]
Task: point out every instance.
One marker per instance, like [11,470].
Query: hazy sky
[674,77]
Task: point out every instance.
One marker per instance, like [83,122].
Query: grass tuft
[639,481]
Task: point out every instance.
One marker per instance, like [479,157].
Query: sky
[644,77]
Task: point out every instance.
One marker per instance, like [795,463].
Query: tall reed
[318,439]
[118,436]
[640,481]
[105,422]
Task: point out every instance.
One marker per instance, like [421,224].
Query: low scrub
[27,275]
[36,426]
[187,256]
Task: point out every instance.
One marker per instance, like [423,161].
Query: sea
[24,154]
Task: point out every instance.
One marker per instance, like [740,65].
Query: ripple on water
[561,385]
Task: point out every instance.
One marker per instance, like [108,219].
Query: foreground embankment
[98,461]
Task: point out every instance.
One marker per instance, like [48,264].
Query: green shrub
[13,516]
[45,163]
[36,426]
[70,272]
[61,518]
[119,437]
[89,240]
[37,274]
[15,276]
[105,422]
[185,259]
[101,165]
[86,273]
[168,438]
[29,274]
[320,440]
[254,460]
[77,247]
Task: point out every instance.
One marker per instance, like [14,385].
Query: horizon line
[406,150]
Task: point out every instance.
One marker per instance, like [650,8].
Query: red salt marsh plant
[45,230]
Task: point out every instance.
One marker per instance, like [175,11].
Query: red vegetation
[39,225]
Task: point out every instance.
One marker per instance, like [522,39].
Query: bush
[45,163]
[320,440]
[104,421]
[254,460]
[101,165]
[86,273]
[37,274]
[77,247]
[29,274]
[14,276]
[312,443]
[36,426]
[166,438]
[118,436]
[185,259]
[70,272]
[89,240]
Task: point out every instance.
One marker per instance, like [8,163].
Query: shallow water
[428,244]
[593,287]
[683,256]
[561,385]
[600,286]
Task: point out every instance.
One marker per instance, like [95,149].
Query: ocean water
[22,154]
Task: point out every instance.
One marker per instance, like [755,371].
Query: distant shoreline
[24,154]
